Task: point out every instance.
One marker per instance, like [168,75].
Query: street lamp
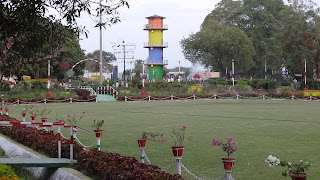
[179,71]
[152,73]
[232,72]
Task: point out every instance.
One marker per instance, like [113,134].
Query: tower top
[155,16]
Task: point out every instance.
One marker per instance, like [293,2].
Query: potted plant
[72,121]
[147,135]
[178,136]
[297,171]
[43,113]
[98,125]
[229,147]
[23,114]
[33,115]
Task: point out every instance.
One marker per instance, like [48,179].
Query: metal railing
[156,44]
[160,62]
[155,26]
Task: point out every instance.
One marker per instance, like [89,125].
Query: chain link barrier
[83,144]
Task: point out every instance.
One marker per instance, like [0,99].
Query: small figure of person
[295,82]
[117,84]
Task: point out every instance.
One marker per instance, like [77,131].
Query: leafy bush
[5,86]
[285,83]
[106,165]
[221,82]
[37,85]
[6,172]
[212,81]
[254,82]
[243,81]
[242,88]
[272,84]
[82,92]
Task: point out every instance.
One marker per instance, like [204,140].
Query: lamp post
[152,73]
[48,93]
[179,71]
[265,69]
[100,43]
[232,72]
[305,75]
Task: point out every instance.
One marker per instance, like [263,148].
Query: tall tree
[107,57]
[216,44]
[26,27]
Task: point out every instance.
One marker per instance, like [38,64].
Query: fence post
[70,99]
[310,97]
[215,96]
[96,98]
[237,96]
[18,100]
[45,100]
[149,96]
[125,97]
[263,97]
[194,96]
[292,97]
[71,144]
[59,142]
[178,165]
[171,96]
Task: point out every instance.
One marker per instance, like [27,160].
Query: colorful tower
[155,45]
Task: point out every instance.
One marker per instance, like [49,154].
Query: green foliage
[242,88]
[221,81]
[243,81]
[212,81]
[6,172]
[37,85]
[216,44]
[285,83]
[5,86]
[272,84]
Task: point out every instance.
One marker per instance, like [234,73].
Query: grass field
[286,129]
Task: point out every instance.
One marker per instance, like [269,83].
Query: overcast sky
[183,17]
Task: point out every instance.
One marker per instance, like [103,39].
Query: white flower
[289,163]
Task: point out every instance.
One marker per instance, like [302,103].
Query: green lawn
[286,129]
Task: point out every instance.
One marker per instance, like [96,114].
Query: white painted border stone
[12,149]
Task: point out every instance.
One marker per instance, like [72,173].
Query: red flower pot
[1,108]
[177,151]
[33,118]
[228,163]
[44,119]
[6,109]
[98,133]
[23,114]
[301,176]
[142,143]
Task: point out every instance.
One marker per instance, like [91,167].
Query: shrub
[254,82]
[82,92]
[285,83]
[221,82]
[212,81]
[37,85]
[5,86]
[106,165]
[6,172]
[243,81]
[242,88]
[272,84]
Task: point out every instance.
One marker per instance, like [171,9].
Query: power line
[125,49]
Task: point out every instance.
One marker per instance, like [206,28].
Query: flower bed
[103,164]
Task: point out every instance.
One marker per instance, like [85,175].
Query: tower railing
[156,62]
[155,26]
[155,44]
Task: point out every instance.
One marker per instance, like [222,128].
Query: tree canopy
[282,34]
[217,44]
[30,34]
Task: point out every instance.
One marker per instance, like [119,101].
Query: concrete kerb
[13,149]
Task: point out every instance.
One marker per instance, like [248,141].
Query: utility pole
[265,69]
[125,49]
[100,43]
[232,72]
[179,71]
